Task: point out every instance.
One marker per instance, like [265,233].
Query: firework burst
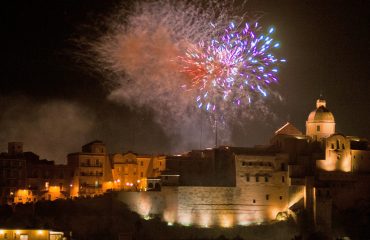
[149,51]
[233,69]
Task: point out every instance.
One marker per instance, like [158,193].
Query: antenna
[201,129]
[216,132]
[321,90]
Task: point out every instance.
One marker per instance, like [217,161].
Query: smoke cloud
[51,129]
[136,52]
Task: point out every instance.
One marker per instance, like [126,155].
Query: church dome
[321,114]
[320,123]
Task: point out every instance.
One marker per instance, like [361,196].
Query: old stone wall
[207,206]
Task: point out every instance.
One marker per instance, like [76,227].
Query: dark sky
[49,101]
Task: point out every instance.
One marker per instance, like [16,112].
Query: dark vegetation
[353,222]
[105,217]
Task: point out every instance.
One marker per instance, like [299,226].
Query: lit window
[23,237]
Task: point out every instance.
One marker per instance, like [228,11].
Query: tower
[320,123]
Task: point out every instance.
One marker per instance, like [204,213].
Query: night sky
[54,104]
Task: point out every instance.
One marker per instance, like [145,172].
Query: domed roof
[321,114]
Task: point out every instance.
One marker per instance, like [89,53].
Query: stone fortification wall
[206,206]
[225,206]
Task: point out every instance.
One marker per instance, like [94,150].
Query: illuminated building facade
[229,186]
[320,123]
[131,171]
[335,173]
[47,180]
[13,171]
[30,234]
[91,169]
[26,178]
[222,186]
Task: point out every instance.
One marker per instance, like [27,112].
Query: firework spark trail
[138,54]
[233,69]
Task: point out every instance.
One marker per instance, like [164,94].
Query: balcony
[87,174]
[99,165]
[86,185]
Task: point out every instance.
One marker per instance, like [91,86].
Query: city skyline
[53,104]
